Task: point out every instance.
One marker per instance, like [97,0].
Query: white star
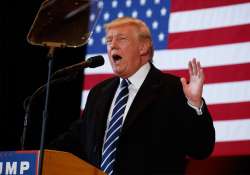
[142,2]
[149,13]
[114,4]
[92,17]
[103,40]
[161,36]
[90,42]
[100,4]
[128,3]
[106,16]
[157,1]
[134,14]
[155,25]
[163,11]
[120,14]
[98,29]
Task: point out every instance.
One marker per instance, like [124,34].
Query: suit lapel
[145,96]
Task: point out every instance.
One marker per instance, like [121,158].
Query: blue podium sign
[19,162]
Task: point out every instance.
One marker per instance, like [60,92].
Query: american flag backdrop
[216,32]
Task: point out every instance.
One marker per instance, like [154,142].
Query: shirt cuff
[198,110]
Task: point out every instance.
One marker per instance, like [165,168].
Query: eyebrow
[119,34]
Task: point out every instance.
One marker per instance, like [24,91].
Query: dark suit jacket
[160,129]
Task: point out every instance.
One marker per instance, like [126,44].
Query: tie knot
[125,83]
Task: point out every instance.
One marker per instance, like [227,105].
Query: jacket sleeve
[199,132]
[68,140]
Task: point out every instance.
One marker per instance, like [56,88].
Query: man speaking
[141,121]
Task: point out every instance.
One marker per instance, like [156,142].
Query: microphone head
[95,61]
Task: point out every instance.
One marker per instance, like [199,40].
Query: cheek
[108,50]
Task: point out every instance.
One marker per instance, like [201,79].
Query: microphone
[91,62]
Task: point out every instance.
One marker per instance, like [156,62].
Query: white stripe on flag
[208,56]
[209,18]
[232,130]
[219,93]
[178,59]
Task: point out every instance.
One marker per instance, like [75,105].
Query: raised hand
[193,88]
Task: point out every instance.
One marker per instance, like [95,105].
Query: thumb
[183,82]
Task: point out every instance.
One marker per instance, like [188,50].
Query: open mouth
[116,57]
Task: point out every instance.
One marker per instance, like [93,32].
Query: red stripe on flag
[232,148]
[91,80]
[225,35]
[182,5]
[230,111]
[228,73]
[213,74]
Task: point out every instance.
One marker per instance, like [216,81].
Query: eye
[108,41]
[122,38]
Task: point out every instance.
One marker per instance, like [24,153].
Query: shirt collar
[138,77]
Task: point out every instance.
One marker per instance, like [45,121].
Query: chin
[116,72]
[119,74]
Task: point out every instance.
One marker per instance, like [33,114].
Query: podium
[55,162]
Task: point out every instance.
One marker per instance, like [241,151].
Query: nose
[113,44]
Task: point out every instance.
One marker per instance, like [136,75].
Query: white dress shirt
[136,81]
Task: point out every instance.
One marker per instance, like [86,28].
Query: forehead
[121,30]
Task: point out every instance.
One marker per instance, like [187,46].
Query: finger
[198,65]
[202,75]
[194,65]
[183,82]
[198,68]
[190,68]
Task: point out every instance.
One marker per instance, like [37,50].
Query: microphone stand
[92,62]
[28,102]
[50,57]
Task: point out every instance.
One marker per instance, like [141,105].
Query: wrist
[199,110]
[196,103]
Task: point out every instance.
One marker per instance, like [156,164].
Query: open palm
[193,88]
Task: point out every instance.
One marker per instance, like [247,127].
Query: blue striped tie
[114,129]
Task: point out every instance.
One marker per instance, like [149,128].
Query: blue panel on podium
[18,162]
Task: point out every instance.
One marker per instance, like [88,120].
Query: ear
[144,48]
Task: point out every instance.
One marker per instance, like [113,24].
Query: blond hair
[143,30]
